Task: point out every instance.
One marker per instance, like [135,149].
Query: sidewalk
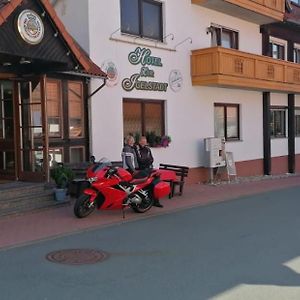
[55,222]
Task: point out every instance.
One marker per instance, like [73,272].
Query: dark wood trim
[291,133]
[142,102]
[45,137]
[266,133]
[225,105]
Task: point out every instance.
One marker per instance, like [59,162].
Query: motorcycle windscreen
[162,189]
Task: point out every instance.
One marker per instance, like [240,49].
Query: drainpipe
[98,89]
[89,113]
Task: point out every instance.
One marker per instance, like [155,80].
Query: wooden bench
[181,173]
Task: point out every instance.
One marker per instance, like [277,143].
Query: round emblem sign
[30,27]
[175,80]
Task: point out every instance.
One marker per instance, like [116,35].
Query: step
[19,198]
[15,191]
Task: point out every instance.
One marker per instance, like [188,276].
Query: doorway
[7,136]
[23,143]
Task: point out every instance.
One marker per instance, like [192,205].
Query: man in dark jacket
[143,154]
[145,160]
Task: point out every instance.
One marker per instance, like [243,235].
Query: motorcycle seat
[139,180]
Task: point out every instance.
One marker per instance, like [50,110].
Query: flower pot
[60,194]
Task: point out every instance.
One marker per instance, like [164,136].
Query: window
[77,154]
[76,117]
[143,117]
[224,37]
[142,18]
[296,1]
[278,122]
[297,55]
[277,48]
[297,121]
[54,107]
[227,121]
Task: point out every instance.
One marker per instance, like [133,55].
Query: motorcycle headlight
[92,179]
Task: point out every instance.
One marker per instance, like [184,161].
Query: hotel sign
[30,27]
[143,57]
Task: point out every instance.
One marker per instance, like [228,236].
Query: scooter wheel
[83,207]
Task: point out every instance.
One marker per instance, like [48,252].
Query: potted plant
[157,140]
[165,140]
[62,176]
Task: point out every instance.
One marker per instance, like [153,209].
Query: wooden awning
[57,52]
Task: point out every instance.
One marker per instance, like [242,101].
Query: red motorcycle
[115,188]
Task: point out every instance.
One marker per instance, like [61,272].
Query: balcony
[232,68]
[255,11]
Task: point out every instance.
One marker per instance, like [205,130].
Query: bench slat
[181,172]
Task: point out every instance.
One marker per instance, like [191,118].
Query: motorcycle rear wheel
[83,207]
[144,206]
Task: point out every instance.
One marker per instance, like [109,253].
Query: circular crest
[30,27]
[111,70]
[176,80]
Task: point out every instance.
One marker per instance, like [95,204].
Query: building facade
[44,78]
[190,70]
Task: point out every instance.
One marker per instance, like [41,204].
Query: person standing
[145,160]
[129,158]
[143,154]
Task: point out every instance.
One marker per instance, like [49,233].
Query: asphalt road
[247,248]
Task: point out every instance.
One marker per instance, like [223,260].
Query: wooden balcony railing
[263,11]
[224,67]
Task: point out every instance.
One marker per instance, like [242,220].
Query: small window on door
[77,154]
[76,115]
[54,108]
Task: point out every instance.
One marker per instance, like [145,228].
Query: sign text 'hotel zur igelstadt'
[143,57]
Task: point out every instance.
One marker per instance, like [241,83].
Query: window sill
[139,41]
[278,137]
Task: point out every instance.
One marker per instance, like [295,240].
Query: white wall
[74,14]
[189,112]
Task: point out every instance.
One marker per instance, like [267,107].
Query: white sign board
[230,164]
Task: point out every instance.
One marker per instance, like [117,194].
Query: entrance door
[31,142]
[7,145]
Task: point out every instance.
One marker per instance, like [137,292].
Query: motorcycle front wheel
[83,207]
[146,204]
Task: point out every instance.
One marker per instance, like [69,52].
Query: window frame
[218,30]
[297,2]
[143,103]
[61,123]
[225,106]
[296,53]
[280,44]
[140,21]
[297,134]
[284,110]
[69,82]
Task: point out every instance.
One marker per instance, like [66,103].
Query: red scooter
[115,188]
